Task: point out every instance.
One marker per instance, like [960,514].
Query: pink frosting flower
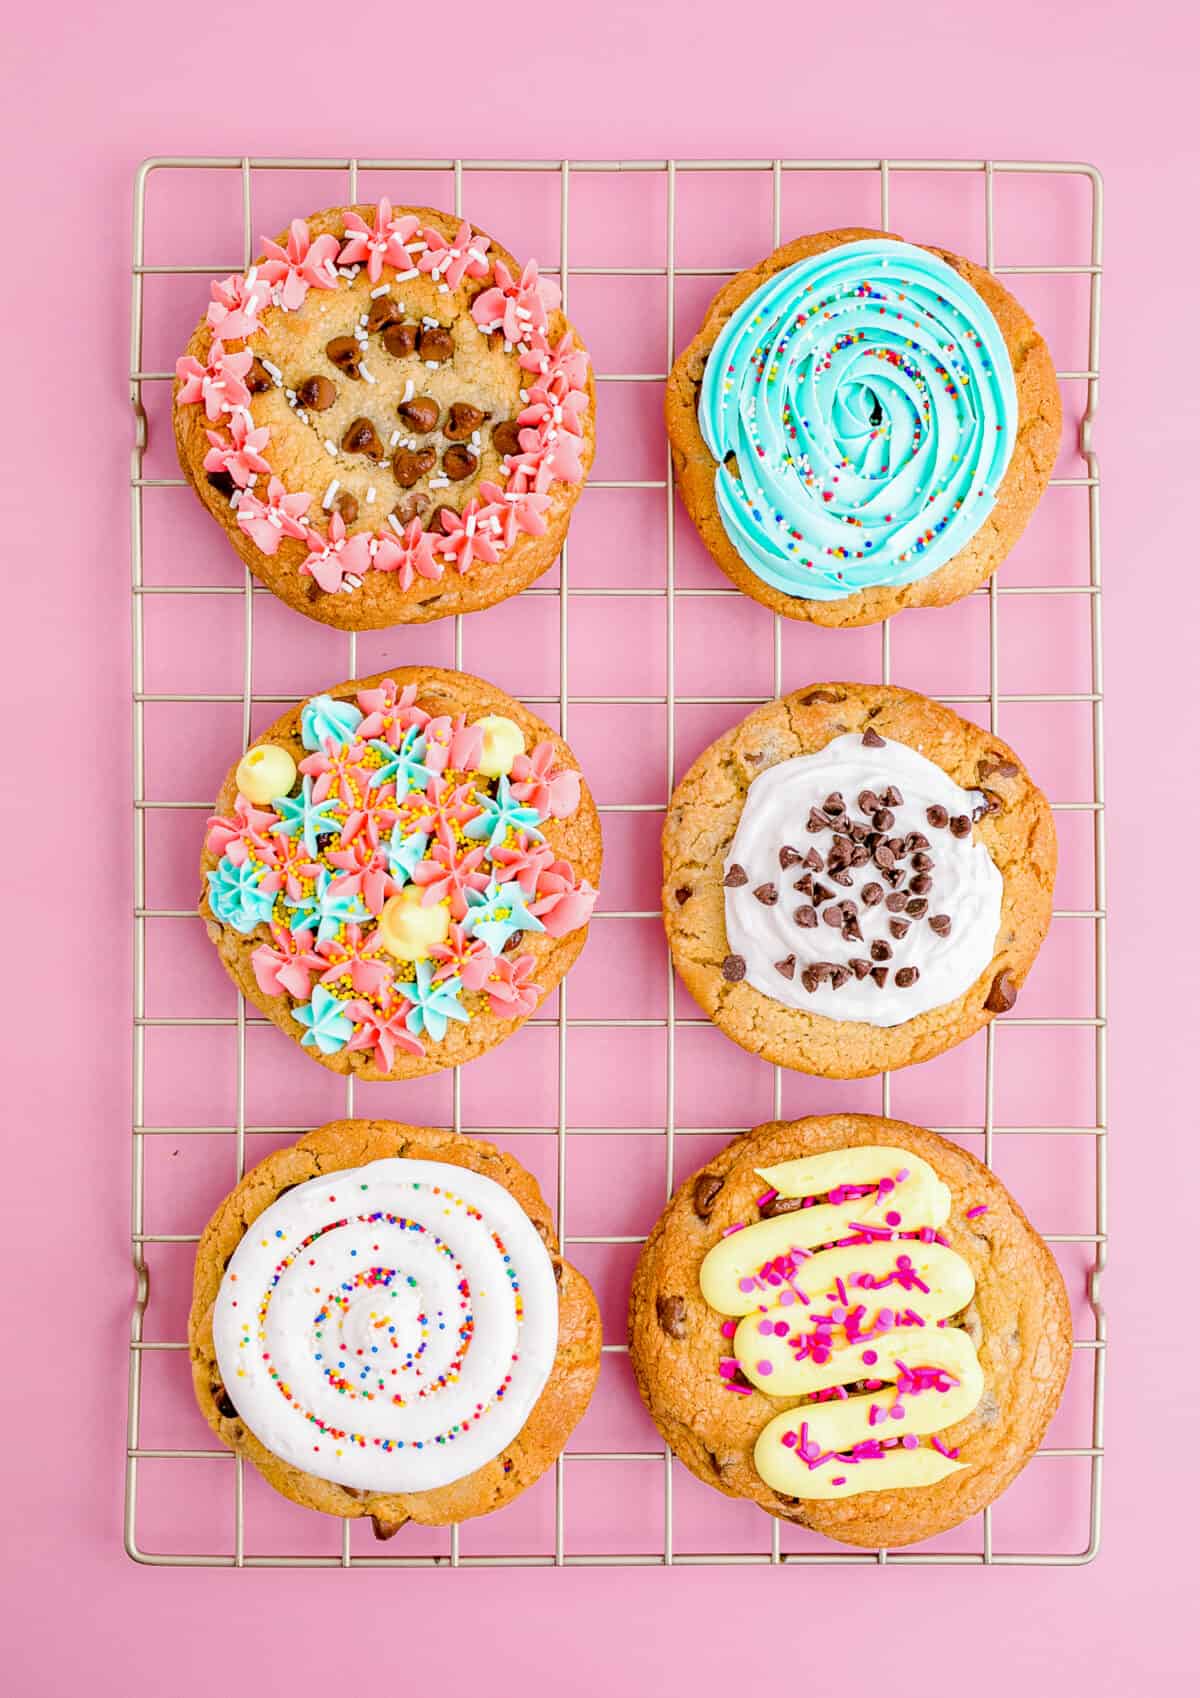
[338,771]
[469,957]
[438,733]
[358,955]
[516,511]
[555,403]
[564,359]
[303,265]
[440,808]
[466,746]
[450,262]
[551,790]
[218,384]
[562,905]
[511,992]
[525,862]
[364,871]
[558,451]
[383,242]
[247,830]
[267,522]
[390,712]
[236,303]
[241,455]
[383,1030]
[410,554]
[336,556]
[470,535]
[285,967]
[449,873]
[528,474]
[517,306]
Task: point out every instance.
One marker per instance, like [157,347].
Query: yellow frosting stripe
[893,1471]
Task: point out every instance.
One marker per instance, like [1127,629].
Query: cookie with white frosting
[855,878]
[849,1321]
[382,1323]
[862,425]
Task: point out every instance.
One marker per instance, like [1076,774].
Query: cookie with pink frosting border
[409,877]
[389,417]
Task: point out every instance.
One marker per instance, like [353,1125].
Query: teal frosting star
[322,720]
[326,1027]
[502,813]
[236,896]
[300,814]
[433,1005]
[404,853]
[496,913]
[322,912]
[403,764]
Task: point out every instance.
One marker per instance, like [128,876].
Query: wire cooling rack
[563,1544]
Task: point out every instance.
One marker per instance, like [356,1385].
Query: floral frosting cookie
[390,418]
[400,870]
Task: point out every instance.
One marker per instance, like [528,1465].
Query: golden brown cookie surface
[354,1143]
[424,393]
[1018,1320]
[704,817]
[1038,428]
[383,851]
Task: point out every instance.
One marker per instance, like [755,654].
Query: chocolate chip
[872,739]
[434,343]
[437,518]
[883,857]
[316,393]
[806,917]
[506,437]
[408,465]
[822,893]
[809,980]
[458,463]
[789,856]
[907,976]
[733,969]
[383,310]
[672,1316]
[787,967]
[834,804]
[347,506]
[362,438]
[859,967]
[400,340]
[991,804]
[780,1206]
[940,923]
[842,877]
[921,885]
[804,884]
[815,860]
[411,507]
[892,798]
[817,821]
[898,928]
[918,908]
[859,855]
[923,863]
[883,819]
[879,974]
[684,894]
[894,903]
[463,421]
[345,353]
[916,840]
[872,894]
[881,950]
[1002,994]
[819,696]
[838,976]
[222,482]
[257,379]
[822,970]
[224,1403]
[735,877]
[766,894]
[851,931]
[937,816]
[420,414]
[868,801]
[1004,768]
[704,1193]
[960,826]
[833,917]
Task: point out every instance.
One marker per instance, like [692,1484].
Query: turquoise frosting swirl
[861,409]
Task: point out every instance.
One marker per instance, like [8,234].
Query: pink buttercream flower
[551,790]
[410,554]
[511,992]
[466,745]
[303,265]
[365,871]
[469,957]
[525,862]
[235,305]
[247,829]
[439,808]
[562,905]
[516,511]
[390,712]
[564,359]
[295,865]
[338,771]
[450,262]
[357,954]
[448,874]
[285,966]
[383,1030]
[438,733]
[558,451]
[516,306]
[335,556]
[218,384]
[382,242]
[240,455]
[554,403]
[267,522]
[470,536]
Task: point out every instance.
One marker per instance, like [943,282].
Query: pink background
[926,80]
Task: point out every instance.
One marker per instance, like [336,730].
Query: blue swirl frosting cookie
[862,425]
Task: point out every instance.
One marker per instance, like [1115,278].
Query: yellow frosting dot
[265,772]
[503,741]
[408,930]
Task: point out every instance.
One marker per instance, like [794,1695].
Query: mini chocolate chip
[940,923]
[842,877]
[506,437]
[859,967]
[918,908]
[257,379]
[879,974]
[362,438]
[868,801]
[458,463]
[400,340]
[937,816]
[822,893]
[344,353]
[222,482]
[1002,994]
[733,969]
[921,885]
[872,894]
[833,917]
[960,826]
[838,976]
[894,876]
[923,863]
[704,1193]
[896,845]
[872,739]
[898,928]
[883,857]
[806,917]
[789,856]
[434,343]
[851,931]
[463,421]
[780,1206]
[881,950]
[991,804]
[809,980]
[822,969]
[815,860]
[347,506]
[735,877]
[895,902]
[224,1403]
[684,894]
[804,884]
[316,393]
[834,804]
[1005,768]
[883,819]
[384,310]
[916,840]
[787,967]
[817,821]
[437,519]
[906,976]
[819,696]
[767,895]
[420,414]
[859,855]
[892,798]
[849,907]
[408,465]
[412,507]
[672,1316]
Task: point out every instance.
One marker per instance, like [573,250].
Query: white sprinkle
[331,447]
[273,372]
[302,415]
[363,372]
[371,493]
[406,276]
[432,365]
[432,323]
[362,318]
[291,395]
[524,394]
[327,498]
[235,498]
[475,439]
[395,524]
[346,271]
[415,248]
[360,336]
[476,253]
[439,483]
[409,391]
[395,438]
[382,290]
[443,288]
[351,582]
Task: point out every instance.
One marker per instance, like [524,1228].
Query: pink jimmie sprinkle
[737,1226]
[875,1413]
[902,1176]
[728,1366]
[979,1209]
[732,1385]
[767,1197]
[728,1328]
[939,1446]
[840,1481]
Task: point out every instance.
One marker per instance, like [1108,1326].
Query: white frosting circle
[388,1327]
[966,885]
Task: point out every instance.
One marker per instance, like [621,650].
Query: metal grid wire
[351,173]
